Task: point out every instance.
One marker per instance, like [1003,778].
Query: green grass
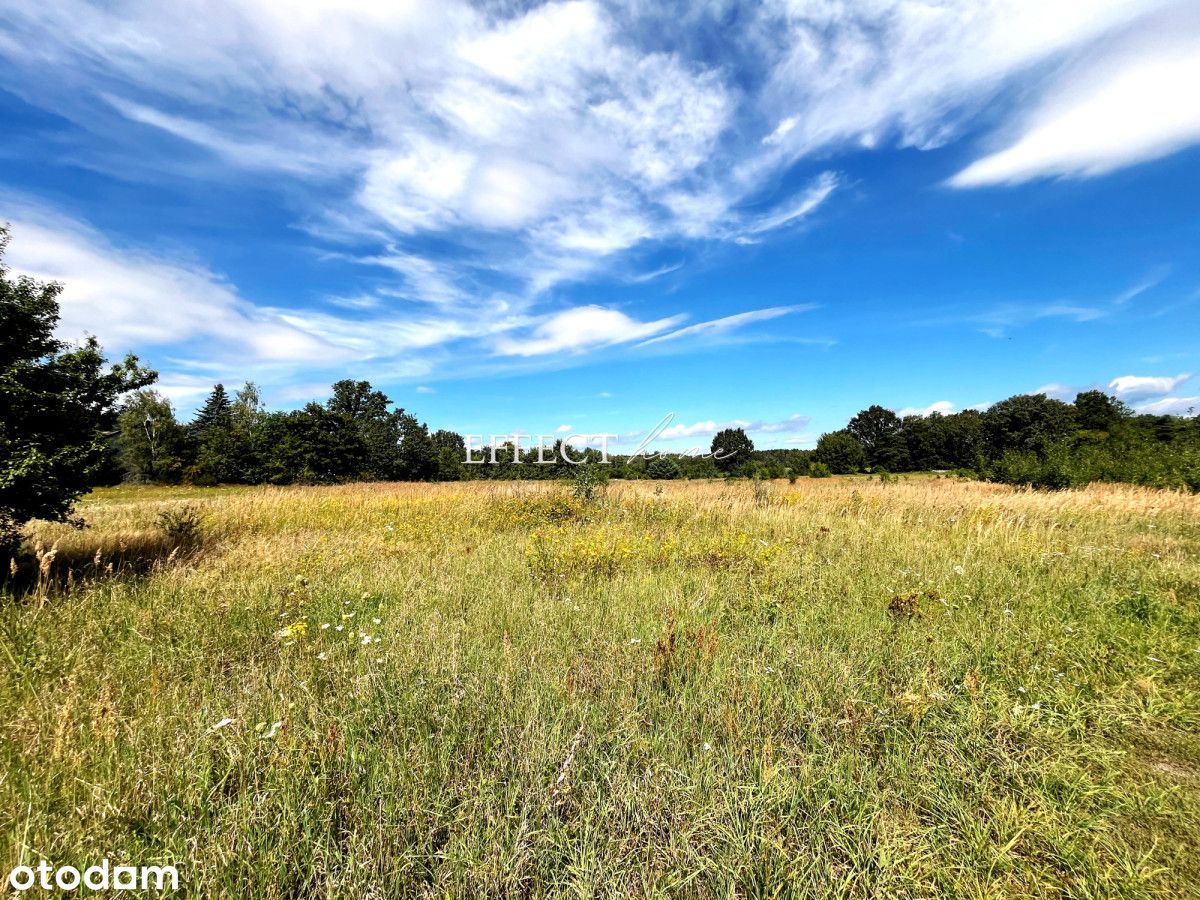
[699,692]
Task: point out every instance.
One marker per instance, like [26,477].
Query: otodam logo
[101,877]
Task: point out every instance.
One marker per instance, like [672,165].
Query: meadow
[841,687]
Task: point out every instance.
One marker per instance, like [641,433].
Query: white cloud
[563,429]
[1136,387]
[816,194]
[579,329]
[146,301]
[564,130]
[942,407]
[845,72]
[425,389]
[727,323]
[132,298]
[1171,406]
[424,280]
[1124,105]
[1056,391]
[483,154]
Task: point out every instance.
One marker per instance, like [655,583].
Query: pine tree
[211,433]
[217,411]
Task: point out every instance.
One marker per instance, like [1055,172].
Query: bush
[818,470]
[841,452]
[589,479]
[663,468]
[183,526]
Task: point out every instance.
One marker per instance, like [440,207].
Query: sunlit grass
[694,689]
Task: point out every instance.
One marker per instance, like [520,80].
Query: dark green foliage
[1027,423]
[416,459]
[663,468]
[944,442]
[183,526]
[311,446]
[450,452]
[731,449]
[154,447]
[57,403]
[217,412]
[841,452]
[878,431]
[697,467]
[212,444]
[588,479]
[1096,411]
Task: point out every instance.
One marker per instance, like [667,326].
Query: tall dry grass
[837,688]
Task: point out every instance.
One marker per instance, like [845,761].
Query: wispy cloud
[149,301]
[563,133]
[1132,102]
[1151,281]
[998,321]
[797,208]
[134,298]
[580,329]
[727,323]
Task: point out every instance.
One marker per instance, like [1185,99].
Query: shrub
[663,468]
[183,525]
[589,479]
[818,470]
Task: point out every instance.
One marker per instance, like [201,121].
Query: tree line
[70,421]
[356,435]
[1028,439]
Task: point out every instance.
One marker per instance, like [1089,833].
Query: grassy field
[833,688]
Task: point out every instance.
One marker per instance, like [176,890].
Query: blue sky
[585,216]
